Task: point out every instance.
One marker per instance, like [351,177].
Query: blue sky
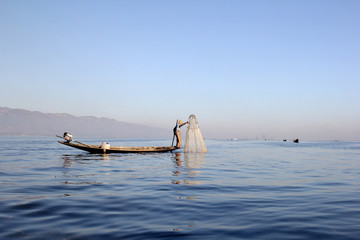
[246,69]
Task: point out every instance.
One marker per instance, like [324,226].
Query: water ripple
[238,190]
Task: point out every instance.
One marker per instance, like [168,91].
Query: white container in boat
[105,145]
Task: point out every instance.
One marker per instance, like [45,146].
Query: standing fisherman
[177,133]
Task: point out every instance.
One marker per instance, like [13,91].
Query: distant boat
[110,149]
[296,140]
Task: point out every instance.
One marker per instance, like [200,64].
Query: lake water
[238,190]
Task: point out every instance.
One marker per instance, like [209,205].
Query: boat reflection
[70,159]
[187,168]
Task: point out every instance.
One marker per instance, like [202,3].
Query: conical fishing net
[194,141]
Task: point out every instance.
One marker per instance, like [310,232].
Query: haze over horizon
[246,69]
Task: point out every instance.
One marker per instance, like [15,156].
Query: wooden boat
[98,149]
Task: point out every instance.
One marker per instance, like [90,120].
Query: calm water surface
[238,190]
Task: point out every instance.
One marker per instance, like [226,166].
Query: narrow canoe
[97,149]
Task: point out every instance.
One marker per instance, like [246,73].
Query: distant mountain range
[20,122]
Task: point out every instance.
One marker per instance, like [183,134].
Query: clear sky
[246,69]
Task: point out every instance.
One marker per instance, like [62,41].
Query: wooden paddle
[74,141]
[172,144]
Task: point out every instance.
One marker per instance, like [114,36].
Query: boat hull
[97,149]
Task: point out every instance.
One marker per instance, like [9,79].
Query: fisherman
[177,133]
[67,137]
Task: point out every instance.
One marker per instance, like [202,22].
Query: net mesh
[194,141]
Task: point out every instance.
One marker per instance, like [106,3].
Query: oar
[75,141]
[172,144]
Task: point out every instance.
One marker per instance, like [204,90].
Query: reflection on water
[85,178]
[190,224]
[69,159]
[194,160]
[187,171]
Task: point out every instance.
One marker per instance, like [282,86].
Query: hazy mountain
[24,122]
